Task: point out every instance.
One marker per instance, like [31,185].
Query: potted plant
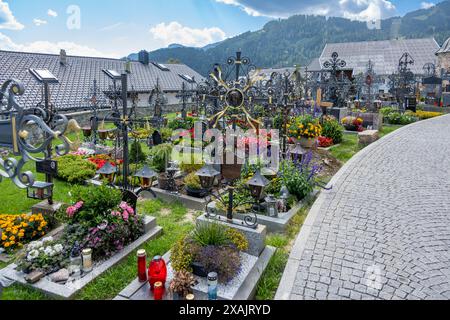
[160,158]
[193,186]
[181,284]
[210,248]
[353,124]
[305,130]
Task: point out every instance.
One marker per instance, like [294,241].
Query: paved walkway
[383,232]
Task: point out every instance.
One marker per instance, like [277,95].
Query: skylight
[186,77]
[113,74]
[161,66]
[44,75]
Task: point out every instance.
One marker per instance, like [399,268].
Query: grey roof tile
[77,76]
[384,54]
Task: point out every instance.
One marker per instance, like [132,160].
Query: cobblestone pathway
[384,230]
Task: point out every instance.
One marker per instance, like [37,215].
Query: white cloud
[353,9]
[427,5]
[71,48]
[39,22]
[7,19]
[174,32]
[52,13]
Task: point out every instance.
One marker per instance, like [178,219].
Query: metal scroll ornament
[14,134]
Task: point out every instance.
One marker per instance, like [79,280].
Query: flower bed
[18,230]
[98,220]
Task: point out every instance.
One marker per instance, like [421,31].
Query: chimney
[144,57]
[63,57]
[128,66]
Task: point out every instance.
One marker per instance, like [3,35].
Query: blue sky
[117,27]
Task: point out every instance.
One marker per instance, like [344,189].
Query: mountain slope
[301,38]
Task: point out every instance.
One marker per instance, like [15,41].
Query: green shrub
[401,119]
[166,133]
[180,123]
[386,111]
[136,153]
[300,183]
[192,181]
[75,169]
[160,156]
[334,130]
[210,234]
[98,201]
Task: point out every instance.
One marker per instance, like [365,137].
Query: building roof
[76,77]
[315,65]
[445,47]
[265,74]
[384,54]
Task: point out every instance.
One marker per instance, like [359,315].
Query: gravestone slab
[368,137]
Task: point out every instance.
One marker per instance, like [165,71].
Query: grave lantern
[108,172]
[257,184]
[40,190]
[271,206]
[146,176]
[207,175]
[297,152]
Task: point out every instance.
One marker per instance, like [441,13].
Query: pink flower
[71,211]
[116,214]
[123,205]
[130,210]
[125,215]
[79,205]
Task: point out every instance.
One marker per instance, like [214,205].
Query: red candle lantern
[158,292]
[157,272]
[142,265]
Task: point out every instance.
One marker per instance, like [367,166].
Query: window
[112,74]
[188,78]
[160,66]
[44,75]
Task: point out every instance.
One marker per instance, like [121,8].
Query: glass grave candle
[212,286]
[87,260]
[142,265]
[158,290]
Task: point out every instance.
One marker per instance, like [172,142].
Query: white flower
[49,251]
[47,239]
[35,245]
[58,248]
[33,255]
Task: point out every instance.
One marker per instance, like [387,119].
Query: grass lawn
[349,147]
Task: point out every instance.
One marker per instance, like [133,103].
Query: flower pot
[308,143]
[199,270]
[196,193]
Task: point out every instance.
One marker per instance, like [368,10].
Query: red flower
[325,142]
